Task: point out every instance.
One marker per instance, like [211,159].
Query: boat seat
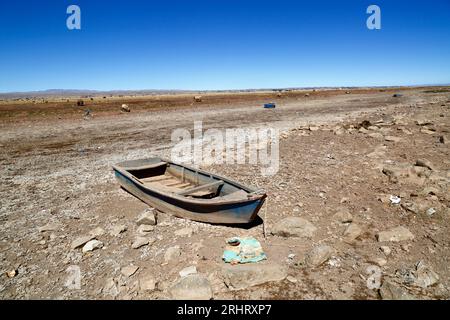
[202,189]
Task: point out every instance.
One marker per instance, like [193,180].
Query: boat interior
[183,181]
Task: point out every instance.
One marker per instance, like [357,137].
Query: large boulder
[294,227]
[242,276]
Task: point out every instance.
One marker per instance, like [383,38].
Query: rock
[191,287]
[172,253]
[78,242]
[184,232]
[147,217]
[51,226]
[378,261]
[396,234]
[110,288]
[444,139]
[187,271]
[294,227]
[147,283]
[424,163]
[392,139]
[391,291]
[117,230]
[313,128]
[386,250]
[427,131]
[343,216]
[92,245]
[11,273]
[376,135]
[139,242]
[145,229]
[97,232]
[125,108]
[291,279]
[425,276]
[352,232]
[422,122]
[197,98]
[128,271]
[318,255]
[242,276]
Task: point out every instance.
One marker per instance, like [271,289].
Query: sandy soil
[56,172]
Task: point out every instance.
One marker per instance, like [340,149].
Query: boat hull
[239,212]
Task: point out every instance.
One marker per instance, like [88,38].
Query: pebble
[128,271]
[147,217]
[396,234]
[92,245]
[318,255]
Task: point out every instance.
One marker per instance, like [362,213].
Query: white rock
[395,235]
[78,242]
[147,217]
[118,229]
[172,253]
[187,271]
[386,250]
[352,232]
[145,229]
[92,245]
[147,283]
[294,227]
[318,255]
[242,276]
[139,242]
[192,287]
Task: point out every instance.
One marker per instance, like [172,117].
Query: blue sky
[218,44]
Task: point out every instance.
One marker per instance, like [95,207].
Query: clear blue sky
[220,44]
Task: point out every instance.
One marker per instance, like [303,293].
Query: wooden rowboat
[188,192]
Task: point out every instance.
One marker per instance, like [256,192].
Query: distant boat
[269,105]
[188,192]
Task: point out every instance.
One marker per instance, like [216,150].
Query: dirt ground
[341,154]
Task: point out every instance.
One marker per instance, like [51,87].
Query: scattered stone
[318,255]
[352,232]
[424,163]
[431,211]
[147,283]
[191,287]
[391,291]
[139,242]
[291,279]
[117,230]
[242,276]
[343,216]
[425,276]
[97,232]
[294,227]
[128,271]
[145,229]
[187,271]
[11,274]
[386,250]
[376,135]
[110,288]
[313,128]
[147,217]
[427,131]
[125,108]
[184,232]
[197,98]
[378,261]
[81,241]
[444,139]
[396,234]
[51,226]
[392,139]
[172,253]
[423,122]
[92,245]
